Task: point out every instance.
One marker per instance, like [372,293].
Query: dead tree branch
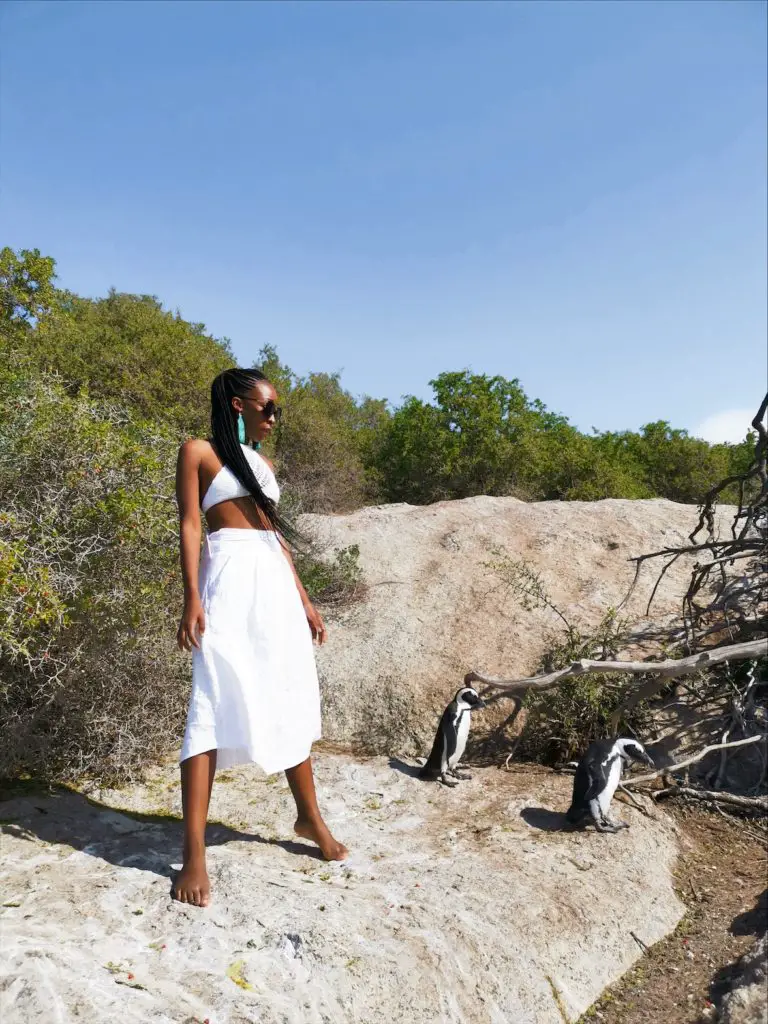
[642,779]
[668,669]
[752,803]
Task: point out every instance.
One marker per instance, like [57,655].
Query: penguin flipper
[438,759]
[587,783]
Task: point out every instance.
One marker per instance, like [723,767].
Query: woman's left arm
[314,619]
[316,624]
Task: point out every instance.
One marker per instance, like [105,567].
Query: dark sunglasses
[269,409]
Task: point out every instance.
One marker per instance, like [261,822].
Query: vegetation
[562,722]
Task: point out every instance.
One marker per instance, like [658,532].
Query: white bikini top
[226,486]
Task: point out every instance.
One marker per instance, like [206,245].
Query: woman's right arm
[192,623]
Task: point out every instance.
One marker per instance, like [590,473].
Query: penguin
[451,739]
[597,776]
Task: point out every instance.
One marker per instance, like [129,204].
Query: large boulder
[434,609]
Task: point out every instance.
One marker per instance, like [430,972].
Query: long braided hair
[226,386]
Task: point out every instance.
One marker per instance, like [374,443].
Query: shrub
[561,723]
[90,681]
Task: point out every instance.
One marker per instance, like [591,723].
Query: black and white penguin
[451,739]
[597,776]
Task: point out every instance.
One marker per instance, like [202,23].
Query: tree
[128,349]
[26,292]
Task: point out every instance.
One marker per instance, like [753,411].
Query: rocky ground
[463,906]
[689,977]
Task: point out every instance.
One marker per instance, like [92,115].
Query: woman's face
[258,409]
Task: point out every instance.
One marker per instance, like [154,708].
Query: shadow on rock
[754,921]
[544,819]
[411,770]
[148,842]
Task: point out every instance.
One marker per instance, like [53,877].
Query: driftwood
[667,669]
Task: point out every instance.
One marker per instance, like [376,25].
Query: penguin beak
[649,761]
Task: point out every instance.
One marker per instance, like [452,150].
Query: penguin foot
[461,775]
[448,782]
[604,826]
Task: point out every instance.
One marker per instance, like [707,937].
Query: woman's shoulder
[197,444]
[195,450]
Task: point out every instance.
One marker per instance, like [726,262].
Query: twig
[640,942]
[636,802]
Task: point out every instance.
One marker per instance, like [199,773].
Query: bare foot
[192,885]
[317,832]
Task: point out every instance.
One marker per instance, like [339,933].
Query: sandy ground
[462,905]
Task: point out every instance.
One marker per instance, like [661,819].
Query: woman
[247,620]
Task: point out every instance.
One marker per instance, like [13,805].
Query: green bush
[90,681]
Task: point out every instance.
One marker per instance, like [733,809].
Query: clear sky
[573,194]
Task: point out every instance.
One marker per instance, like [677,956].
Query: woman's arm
[316,623]
[190,535]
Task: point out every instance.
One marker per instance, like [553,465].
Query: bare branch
[642,779]
[669,668]
[759,803]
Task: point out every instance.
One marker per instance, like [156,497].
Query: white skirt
[255,695]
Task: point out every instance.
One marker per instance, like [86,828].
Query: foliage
[123,348]
[26,290]
[320,444]
[483,435]
[562,722]
[330,581]
[89,586]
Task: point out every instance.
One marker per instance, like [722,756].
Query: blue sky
[568,193]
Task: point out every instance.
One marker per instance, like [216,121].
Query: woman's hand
[316,624]
[192,625]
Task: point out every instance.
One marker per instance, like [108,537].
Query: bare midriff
[237,514]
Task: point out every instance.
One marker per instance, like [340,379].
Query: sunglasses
[269,409]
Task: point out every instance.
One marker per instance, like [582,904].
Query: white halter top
[226,486]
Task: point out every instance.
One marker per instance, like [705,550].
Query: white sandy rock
[455,907]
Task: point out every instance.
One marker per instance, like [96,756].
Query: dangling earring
[257,445]
[240,428]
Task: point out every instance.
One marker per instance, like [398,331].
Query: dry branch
[752,803]
[668,669]
[692,760]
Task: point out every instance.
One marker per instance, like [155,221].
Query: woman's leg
[309,823]
[192,885]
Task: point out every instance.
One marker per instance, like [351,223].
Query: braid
[224,434]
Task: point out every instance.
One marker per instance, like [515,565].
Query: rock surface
[434,609]
[460,906]
[747,1002]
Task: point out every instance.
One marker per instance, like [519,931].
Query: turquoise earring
[257,445]
[240,428]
